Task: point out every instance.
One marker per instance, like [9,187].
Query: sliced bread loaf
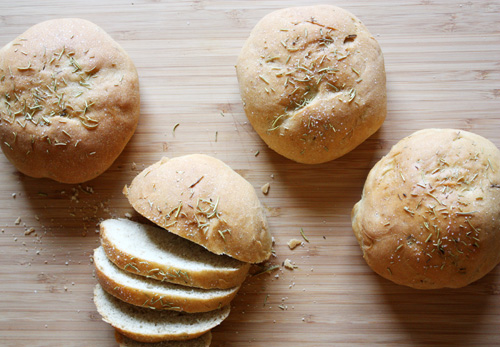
[147,292]
[147,325]
[156,253]
[201,341]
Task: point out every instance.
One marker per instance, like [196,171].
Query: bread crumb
[289,265]
[294,243]
[128,215]
[134,166]
[14,195]
[265,188]
[29,231]
[18,221]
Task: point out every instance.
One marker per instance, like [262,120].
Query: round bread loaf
[429,216]
[69,100]
[312,81]
[203,200]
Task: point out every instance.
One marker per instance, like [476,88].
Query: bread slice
[202,341]
[147,325]
[141,291]
[156,253]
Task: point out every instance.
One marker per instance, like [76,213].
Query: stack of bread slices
[172,282]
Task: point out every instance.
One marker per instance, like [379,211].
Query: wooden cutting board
[443,70]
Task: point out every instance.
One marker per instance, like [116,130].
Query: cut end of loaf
[201,199]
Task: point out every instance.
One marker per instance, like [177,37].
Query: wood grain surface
[443,70]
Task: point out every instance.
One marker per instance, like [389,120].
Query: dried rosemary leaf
[303,235]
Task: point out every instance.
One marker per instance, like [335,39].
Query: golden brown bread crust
[200,279]
[203,200]
[69,100]
[312,81]
[429,216]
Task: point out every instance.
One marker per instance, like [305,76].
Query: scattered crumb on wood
[29,231]
[289,265]
[18,221]
[294,243]
[265,188]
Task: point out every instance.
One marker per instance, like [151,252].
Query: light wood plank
[442,62]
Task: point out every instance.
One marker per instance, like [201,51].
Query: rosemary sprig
[266,270]
[303,235]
